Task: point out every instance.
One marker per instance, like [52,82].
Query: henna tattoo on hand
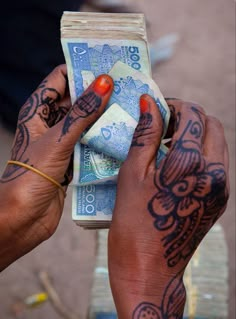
[83,108]
[143,128]
[147,310]
[48,110]
[191,195]
[172,304]
[44,103]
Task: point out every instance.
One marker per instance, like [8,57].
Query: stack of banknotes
[115,44]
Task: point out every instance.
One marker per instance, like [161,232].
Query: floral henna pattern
[48,109]
[147,310]
[45,103]
[191,195]
[172,304]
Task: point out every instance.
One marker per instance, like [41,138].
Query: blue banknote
[127,93]
[129,85]
[114,140]
[94,202]
[91,167]
[112,133]
[100,58]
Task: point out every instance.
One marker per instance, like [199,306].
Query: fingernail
[102,85]
[144,104]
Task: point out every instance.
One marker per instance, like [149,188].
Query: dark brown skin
[48,128]
[161,215]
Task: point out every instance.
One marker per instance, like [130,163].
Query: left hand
[162,214]
[47,131]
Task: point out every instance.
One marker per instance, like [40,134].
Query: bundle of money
[116,44]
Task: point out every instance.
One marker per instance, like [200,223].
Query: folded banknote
[109,139]
[96,168]
[91,167]
[93,43]
[112,134]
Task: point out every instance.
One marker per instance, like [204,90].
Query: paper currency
[93,205]
[95,168]
[91,167]
[93,43]
[130,84]
[112,134]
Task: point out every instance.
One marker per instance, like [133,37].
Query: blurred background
[202,69]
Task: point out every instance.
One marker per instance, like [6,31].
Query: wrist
[157,291]
[13,227]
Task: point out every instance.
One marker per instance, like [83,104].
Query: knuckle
[58,71]
[219,185]
[59,68]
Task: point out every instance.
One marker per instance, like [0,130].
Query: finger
[189,125]
[185,153]
[172,103]
[43,107]
[214,143]
[58,142]
[85,111]
[226,158]
[147,137]
[215,146]
[226,161]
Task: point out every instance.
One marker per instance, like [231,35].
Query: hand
[47,131]
[162,214]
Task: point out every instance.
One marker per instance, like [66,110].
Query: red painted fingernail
[144,104]
[102,85]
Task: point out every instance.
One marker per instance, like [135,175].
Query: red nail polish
[102,85]
[144,105]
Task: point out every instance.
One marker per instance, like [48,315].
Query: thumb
[86,110]
[147,137]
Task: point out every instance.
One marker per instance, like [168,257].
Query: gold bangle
[36,171]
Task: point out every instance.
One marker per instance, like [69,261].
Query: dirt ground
[202,70]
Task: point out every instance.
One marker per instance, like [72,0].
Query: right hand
[161,215]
